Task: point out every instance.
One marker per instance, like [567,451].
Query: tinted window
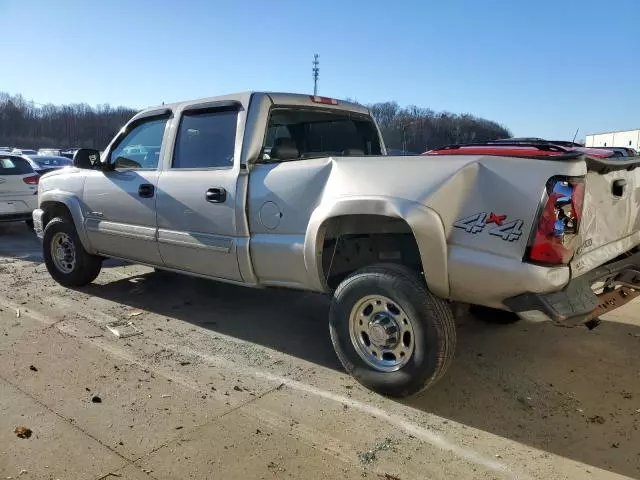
[206,140]
[141,146]
[14,166]
[316,133]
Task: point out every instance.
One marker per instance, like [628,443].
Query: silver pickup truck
[273,189]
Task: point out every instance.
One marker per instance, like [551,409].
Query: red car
[520,147]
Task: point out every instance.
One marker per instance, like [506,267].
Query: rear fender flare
[72,203]
[425,224]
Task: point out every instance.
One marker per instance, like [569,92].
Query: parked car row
[68,153]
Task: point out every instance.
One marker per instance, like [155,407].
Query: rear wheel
[64,256]
[392,334]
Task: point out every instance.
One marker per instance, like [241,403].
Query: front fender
[425,224]
[72,202]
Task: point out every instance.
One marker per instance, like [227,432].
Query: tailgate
[610,224]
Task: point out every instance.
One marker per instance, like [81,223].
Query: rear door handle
[146,190]
[617,188]
[216,195]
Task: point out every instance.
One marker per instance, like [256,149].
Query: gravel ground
[227,382]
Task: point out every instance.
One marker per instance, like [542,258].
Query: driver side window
[140,148]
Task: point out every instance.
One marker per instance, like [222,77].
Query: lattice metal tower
[316,73]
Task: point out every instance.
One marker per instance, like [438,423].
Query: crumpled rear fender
[424,222]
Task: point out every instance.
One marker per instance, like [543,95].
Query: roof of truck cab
[278,98]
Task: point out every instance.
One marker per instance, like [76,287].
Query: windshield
[307,133]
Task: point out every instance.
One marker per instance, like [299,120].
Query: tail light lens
[32,180]
[554,239]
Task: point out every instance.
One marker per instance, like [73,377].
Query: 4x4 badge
[476,223]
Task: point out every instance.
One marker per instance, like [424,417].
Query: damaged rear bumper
[577,303]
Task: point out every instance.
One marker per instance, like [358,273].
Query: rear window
[14,166]
[320,133]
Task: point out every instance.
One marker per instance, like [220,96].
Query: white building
[625,138]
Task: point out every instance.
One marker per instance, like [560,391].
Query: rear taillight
[554,239]
[32,180]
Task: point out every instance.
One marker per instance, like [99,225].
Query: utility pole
[316,73]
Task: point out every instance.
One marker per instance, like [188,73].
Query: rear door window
[14,166]
[206,139]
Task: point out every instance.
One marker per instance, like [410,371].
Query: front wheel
[392,334]
[64,256]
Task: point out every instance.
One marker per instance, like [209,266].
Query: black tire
[433,327]
[493,315]
[87,266]
[29,223]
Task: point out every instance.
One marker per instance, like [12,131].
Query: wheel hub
[63,252]
[383,331]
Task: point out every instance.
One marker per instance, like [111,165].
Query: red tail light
[32,180]
[554,239]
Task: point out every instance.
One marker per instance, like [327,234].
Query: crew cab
[286,190]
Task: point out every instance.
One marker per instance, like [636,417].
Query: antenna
[574,137]
[316,73]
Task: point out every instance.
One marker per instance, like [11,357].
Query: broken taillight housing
[554,239]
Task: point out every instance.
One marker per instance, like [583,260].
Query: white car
[18,189]
[24,151]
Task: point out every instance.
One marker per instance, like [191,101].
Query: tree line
[24,124]
[416,129]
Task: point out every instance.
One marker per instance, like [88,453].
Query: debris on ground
[123,329]
[184,363]
[135,313]
[237,388]
[96,399]
[23,472]
[368,457]
[33,368]
[596,419]
[388,476]
[18,312]
[23,432]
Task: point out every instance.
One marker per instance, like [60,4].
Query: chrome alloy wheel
[63,252]
[382,333]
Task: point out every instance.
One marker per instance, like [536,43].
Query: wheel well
[352,242]
[53,210]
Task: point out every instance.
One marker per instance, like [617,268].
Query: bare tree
[23,124]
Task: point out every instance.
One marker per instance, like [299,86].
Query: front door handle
[146,190]
[216,195]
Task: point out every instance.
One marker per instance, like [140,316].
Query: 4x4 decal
[476,223]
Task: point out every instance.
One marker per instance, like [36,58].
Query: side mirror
[88,158]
